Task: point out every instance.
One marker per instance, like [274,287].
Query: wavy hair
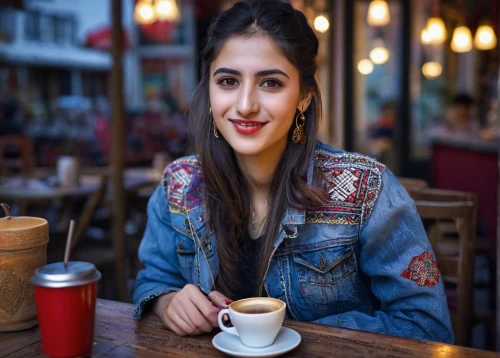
[225,191]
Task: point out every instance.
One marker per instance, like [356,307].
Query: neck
[258,170]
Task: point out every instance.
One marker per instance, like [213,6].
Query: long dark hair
[226,193]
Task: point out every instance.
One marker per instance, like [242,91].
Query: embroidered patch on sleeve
[423,270]
[181,174]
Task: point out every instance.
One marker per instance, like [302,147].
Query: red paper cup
[65,304]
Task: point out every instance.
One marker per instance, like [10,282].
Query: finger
[184,316]
[206,308]
[178,330]
[185,327]
[219,299]
[172,326]
[202,323]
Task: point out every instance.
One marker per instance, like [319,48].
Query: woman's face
[254,95]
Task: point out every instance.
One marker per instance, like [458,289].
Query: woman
[265,209]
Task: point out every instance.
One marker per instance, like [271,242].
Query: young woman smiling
[266,209]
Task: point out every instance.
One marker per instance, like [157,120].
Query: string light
[167,10]
[380,54]
[432,69]
[425,37]
[149,11]
[485,38]
[365,67]
[437,30]
[378,13]
[321,23]
[144,12]
[461,40]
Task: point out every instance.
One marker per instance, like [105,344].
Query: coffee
[256,309]
[256,321]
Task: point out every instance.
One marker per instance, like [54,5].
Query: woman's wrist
[161,302]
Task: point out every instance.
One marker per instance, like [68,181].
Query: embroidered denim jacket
[361,261]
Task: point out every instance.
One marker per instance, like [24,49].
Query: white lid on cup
[55,275]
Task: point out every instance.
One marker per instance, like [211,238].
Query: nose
[247,102]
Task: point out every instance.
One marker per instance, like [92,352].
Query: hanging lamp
[462,40]
[378,13]
[437,30]
[485,38]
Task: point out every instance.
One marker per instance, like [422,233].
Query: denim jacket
[361,261]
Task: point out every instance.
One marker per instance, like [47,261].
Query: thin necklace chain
[253,225]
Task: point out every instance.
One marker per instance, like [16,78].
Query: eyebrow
[262,73]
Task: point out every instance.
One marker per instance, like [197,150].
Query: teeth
[249,125]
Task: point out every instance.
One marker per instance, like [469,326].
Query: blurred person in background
[265,209]
[102,130]
[381,133]
[458,121]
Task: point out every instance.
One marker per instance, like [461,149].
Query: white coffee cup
[256,321]
[68,174]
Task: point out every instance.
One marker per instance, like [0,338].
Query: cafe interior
[87,128]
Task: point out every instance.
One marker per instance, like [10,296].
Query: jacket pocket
[186,252]
[328,279]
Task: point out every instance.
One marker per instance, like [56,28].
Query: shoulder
[327,157]
[352,182]
[181,182]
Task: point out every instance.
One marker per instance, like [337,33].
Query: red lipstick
[246,127]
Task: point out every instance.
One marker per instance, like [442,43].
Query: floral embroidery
[178,176]
[423,270]
[354,183]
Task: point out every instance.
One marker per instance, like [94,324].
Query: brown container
[23,249]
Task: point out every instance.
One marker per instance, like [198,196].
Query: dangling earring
[216,134]
[298,136]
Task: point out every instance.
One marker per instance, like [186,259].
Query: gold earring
[216,134]
[299,136]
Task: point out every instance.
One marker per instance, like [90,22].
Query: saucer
[286,340]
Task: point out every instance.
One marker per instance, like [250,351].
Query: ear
[305,100]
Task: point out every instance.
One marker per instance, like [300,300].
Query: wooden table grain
[117,334]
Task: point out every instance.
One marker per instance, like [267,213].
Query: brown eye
[229,82]
[271,84]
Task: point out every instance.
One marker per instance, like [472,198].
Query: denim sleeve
[389,239]
[157,253]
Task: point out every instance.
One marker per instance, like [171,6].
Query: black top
[247,271]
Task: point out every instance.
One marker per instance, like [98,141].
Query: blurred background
[93,95]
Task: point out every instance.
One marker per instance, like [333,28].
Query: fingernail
[228,302]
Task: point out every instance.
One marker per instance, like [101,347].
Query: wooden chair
[450,218]
[413,184]
[24,163]
[99,252]
[58,237]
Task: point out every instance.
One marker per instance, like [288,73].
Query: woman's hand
[189,312]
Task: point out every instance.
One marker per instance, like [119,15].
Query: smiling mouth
[245,123]
[246,127]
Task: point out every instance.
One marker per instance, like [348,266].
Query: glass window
[377,88]
[32,25]
[7,25]
[47,28]
[59,29]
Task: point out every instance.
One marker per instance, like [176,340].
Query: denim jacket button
[186,222]
[323,263]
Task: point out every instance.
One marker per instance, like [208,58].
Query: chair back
[23,145]
[412,183]
[94,200]
[450,218]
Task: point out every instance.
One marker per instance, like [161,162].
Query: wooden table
[118,335]
[37,188]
